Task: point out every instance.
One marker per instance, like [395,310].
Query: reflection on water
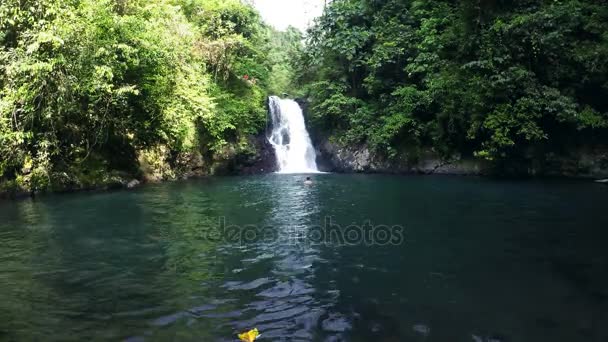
[482,261]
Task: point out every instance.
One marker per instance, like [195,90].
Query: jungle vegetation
[502,80]
[90,87]
[91,90]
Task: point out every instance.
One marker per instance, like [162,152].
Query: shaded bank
[583,162]
[577,161]
[159,165]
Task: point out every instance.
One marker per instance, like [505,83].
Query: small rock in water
[476,338]
[495,338]
[422,329]
[132,184]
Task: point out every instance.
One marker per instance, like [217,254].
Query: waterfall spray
[289,137]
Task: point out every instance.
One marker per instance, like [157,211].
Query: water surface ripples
[482,260]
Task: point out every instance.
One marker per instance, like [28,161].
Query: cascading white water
[292,145]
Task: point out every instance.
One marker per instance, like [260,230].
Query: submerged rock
[133,184]
[422,329]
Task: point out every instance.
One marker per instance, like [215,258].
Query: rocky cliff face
[335,158]
[261,159]
[157,164]
[582,162]
[254,157]
[588,162]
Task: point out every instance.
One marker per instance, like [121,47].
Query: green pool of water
[350,258]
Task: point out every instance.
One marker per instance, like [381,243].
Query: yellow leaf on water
[249,336]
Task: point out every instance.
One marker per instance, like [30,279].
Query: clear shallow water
[480,260]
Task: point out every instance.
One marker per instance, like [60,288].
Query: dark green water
[480,260]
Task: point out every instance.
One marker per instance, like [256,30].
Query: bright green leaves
[283,58]
[90,82]
[590,118]
[506,124]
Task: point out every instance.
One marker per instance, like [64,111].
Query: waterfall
[289,137]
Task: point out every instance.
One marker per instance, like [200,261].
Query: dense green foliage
[286,49]
[89,86]
[91,90]
[502,79]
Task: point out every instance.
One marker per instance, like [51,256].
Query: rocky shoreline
[582,163]
[589,163]
[333,158]
[154,167]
